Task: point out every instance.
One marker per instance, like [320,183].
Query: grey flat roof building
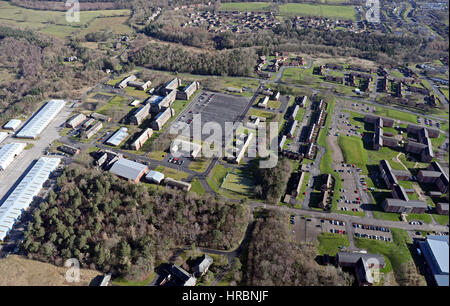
[129,169]
[436,252]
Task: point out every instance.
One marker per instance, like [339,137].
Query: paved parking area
[214,107]
[351,198]
[306,229]
[372,232]
[333,226]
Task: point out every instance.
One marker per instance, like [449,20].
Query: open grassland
[116,106]
[238,181]
[114,24]
[441,219]
[125,282]
[329,243]
[157,155]
[395,253]
[200,165]
[353,150]
[245,6]
[172,173]
[196,186]
[260,113]
[331,11]
[219,173]
[385,153]
[426,218]
[20,271]
[51,22]
[396,114]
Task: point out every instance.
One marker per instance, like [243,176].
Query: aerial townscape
[329,164]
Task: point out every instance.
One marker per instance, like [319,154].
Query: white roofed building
[41,120]
[12,124]
[8,152]
[23,195]
[117,138]
[3,136]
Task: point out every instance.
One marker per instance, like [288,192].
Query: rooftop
[23,195]
[118,137]
[8,152]
[436,252]
[12,124]
[128,169]
[41,119]
[154,176]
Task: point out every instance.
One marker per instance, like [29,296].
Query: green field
[260,113]
[51,22]
[197,187]
[396,114]
[329,243]
[395,253]
[114,24]
[353,151]
[441,219]
[219,173]
[199,165]
[426,218]
[115,107]
[172,173]
[245,6]
[300,76]
[124,282]
[332,11]
[238,181]
[384,153]
[381,215]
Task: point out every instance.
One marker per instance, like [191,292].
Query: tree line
[236,62]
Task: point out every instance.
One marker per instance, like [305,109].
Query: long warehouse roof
[3,136]
[8,152]
[40,120]
[23,195]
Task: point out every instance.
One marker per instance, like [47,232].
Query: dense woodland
[236,62]
[125,228]
[271,182]
[38,71]
[275,260]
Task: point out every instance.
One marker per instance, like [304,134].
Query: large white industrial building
[41,120]
[3,136]
[22,196]
[8,152]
